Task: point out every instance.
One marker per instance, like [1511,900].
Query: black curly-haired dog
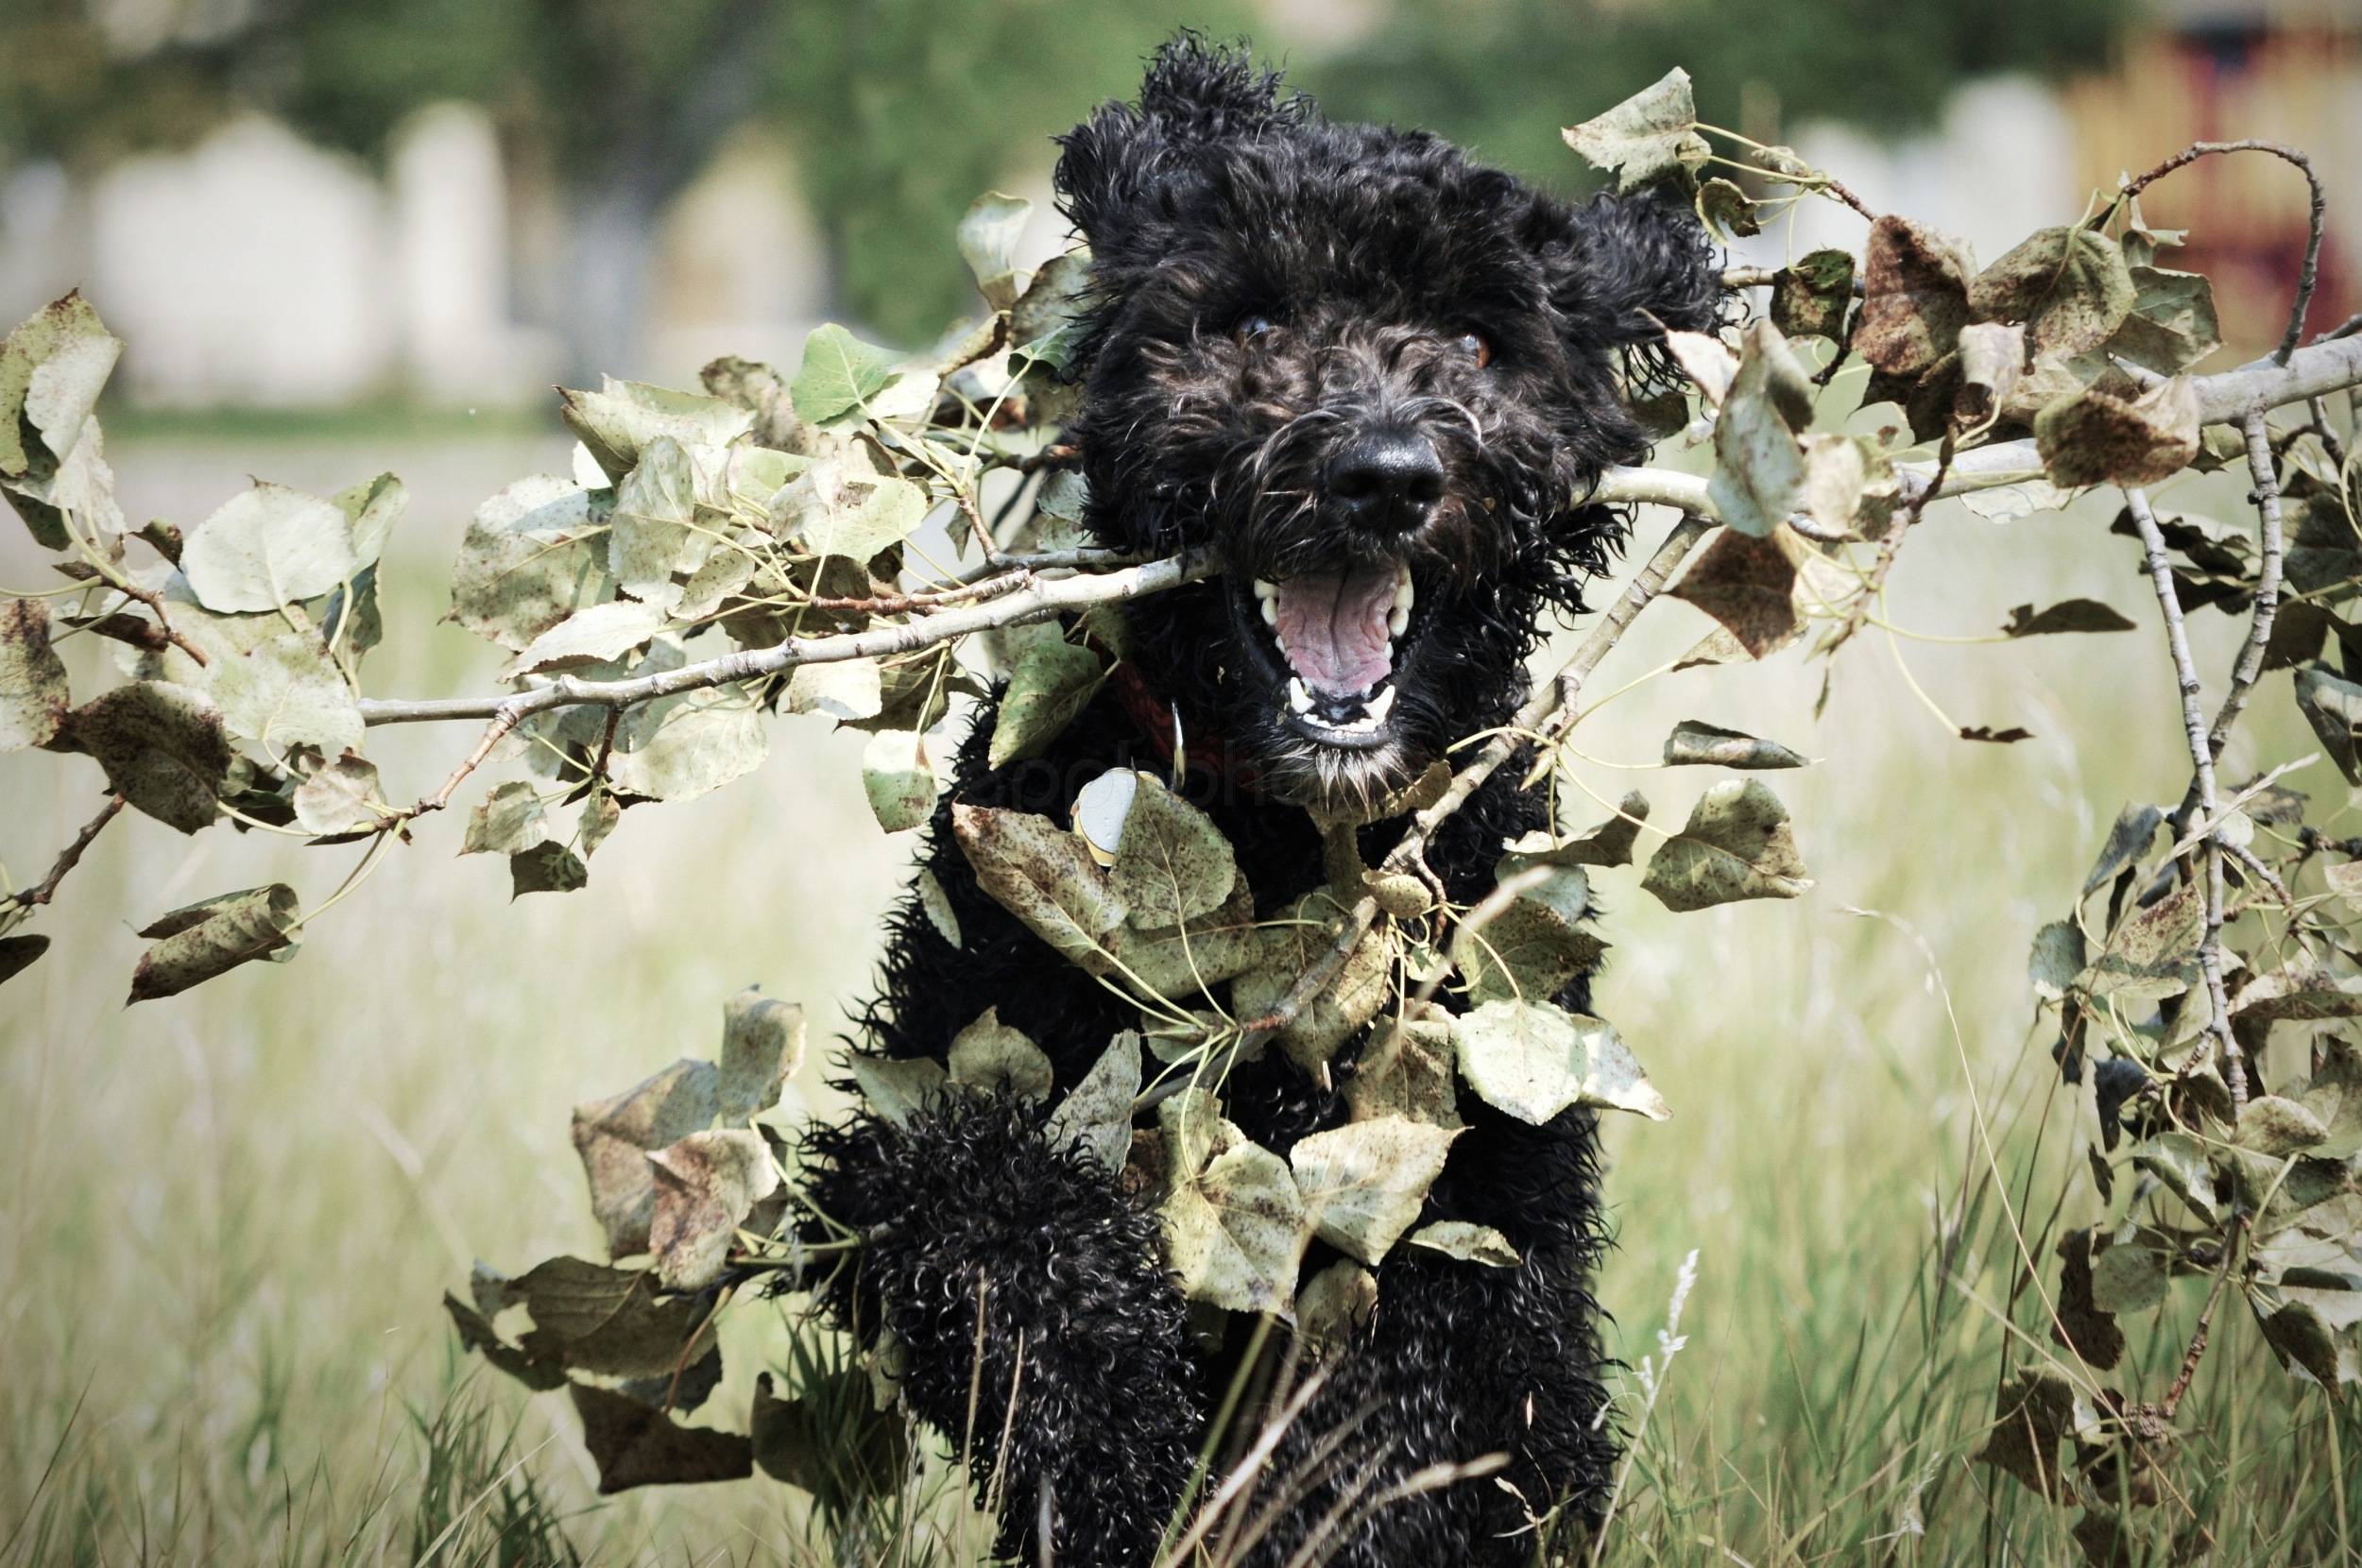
[1379,379]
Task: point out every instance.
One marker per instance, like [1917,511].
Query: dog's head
[1381,380]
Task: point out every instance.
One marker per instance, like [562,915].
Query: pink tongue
[1333,627]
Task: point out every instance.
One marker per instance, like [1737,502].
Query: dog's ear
[1624,270]
[1123,162]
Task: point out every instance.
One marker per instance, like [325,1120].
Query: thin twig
[2202,783]
[2197,1352]
[46,889]
[1875,583]
[154,600]
[2310,272]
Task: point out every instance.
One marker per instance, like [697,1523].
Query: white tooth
[1298,698]
[1381,705]
[1403,591]
[1271,613]
[1397,620]
[1266,591]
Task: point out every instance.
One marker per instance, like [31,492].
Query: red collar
[1162,724]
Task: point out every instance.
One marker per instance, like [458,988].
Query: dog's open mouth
[1339,632]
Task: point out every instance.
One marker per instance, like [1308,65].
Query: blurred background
[452,203]
[342,237]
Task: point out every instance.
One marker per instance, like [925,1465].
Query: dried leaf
[706,1184]
[2069,285]
[900,780]
[2096,437]
[507,821]
[763,1045]
[1466,1242]
[1759,466]
[198,942]
[1648,136]
[615,1136]
[533,553]
[1533,1061]
[2068,615]
[1041,873]
[1914,297]
[339,798]
[897,1089]
[1051,682]
[546,868]
[1809,298]
[1694,743]
[162,746]
[1234,1227]
[610,1322]
[2333,708]
[267,547]
[637,1445]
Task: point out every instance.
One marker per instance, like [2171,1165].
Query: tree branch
[46,889]
[2202,785]
[2310,272]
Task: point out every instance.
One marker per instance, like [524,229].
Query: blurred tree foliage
[906,108]
[1504,75]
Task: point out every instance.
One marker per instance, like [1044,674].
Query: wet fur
[1372,249]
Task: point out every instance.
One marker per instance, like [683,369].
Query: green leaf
[546,868]
[1533,1061]
[2069,285]
[989,1055]
[1694,743]
[200,941]
[937,905]
[1047,322]
[763,1045]
[900,780]
[1469,1243]
[839,373]
[281,691]
[616,422]
[639,1445]
[52,369]
[2277,1126]
[681,746]
[1363,1183]
[34,699]
[1041,873]
[2172,325]
[268,547]
[1234,1227]
[533,553]
[897,1089]
[2135,829]
[1172,863]
[843,689]
[2153,952]
[1737,844]
[508,821]
[339,798]
[2127,1278]
[1536,944]
[1296,936]
[1051,683]
[1096,1115]
[2299,1338]
[1406,1072]
[1759,465]
[592,634]
[1608,844]
[2059,955]
[2333,708]
[2179,1161]
[162,746]
[371,508]
[1649,135]
[653,535]
[2068,615]
[988,237]
[2095,437]
[1181,961]
[1335,1305]
[1914,297]
[1726,211]
[1810,296]
[615,1136]
[706,1185]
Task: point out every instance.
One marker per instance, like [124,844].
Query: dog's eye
[1254,324]
[1475,346]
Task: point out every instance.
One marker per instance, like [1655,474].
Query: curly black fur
[1362,260]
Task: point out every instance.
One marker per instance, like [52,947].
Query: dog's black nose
[1386,477]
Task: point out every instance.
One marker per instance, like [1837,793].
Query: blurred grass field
[226,1219]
